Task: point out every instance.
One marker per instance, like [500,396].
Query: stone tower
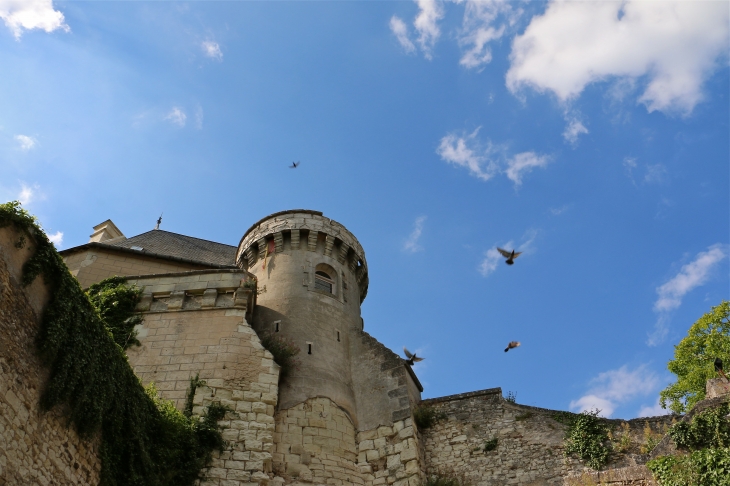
[316,277]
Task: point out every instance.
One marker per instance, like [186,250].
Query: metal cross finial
[159,220]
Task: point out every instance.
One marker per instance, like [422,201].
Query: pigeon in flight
[511,345]
[294,165]
[510,256]
[412,358]
[718,368]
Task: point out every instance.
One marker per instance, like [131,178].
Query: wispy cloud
[674,46]
[491,259]
[20,15]
[573,130]
[480,27]
[559,211]
[177,116]
[522,164]
[26,142]
[28,193]
[655,174]
[612,388]
[412,243]
[400,30]
[212,49]
[485,160]
[56,238]
[426,25]
[690,276]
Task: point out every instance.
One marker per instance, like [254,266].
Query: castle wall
[91,266]
[195,323]
[35,447]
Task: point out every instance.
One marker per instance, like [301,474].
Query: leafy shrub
[426,417]
[283,351]
[586,438]
[511,397]
[490,445]
[709,428]
[705,467]
[115,301]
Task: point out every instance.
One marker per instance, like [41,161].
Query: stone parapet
[288,228]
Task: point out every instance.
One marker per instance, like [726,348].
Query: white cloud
[465,152]
[672,46]
[690,276]
[212,50]
[484,162]
[26,142]
[400,30]
[491,259]
[524,163]
[56,238]
[671,293]
[426,24]
[31,14]
[411,244]
[653,410]
[479,29]
[614,387]
[558,211]
[177,116]
[27,193]
[574,129]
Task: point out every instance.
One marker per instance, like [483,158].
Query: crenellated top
[302,229]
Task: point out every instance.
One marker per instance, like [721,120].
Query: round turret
[315,274]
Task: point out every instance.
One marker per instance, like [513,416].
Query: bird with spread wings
[412,358]
[509,255]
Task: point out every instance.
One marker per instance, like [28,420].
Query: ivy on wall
[587,438]
[704,443]
[145,440]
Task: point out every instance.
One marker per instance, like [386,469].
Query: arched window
[323,282]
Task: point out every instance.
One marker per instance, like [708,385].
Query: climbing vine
[145,440]
[705,441]
[587,438]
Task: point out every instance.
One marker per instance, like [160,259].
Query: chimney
[105,231]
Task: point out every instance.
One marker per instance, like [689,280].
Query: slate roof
[165,243]
[174,246]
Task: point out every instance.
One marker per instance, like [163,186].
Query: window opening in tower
[323,282]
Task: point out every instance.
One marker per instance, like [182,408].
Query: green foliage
[144,440]
[195,382]
[283,351]
[426,417]
[708,429]
[115,301]
[705,467]
[707,437]
[511,397]
[708,338]
[586,437]
[490,444]
[523,416]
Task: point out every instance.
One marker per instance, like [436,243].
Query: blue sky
[593,136]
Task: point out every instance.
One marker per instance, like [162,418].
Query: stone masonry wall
[529,442]
[195,324]
[315,443]
[36,448]
[391,455]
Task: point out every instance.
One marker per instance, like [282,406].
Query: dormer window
[323,282]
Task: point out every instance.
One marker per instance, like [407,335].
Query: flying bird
[510,256]
[294,165]
[412,358]
[718,368]
[511,345]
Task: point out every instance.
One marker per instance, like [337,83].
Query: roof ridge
[180,234]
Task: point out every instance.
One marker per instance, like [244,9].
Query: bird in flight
[509,255]
[718,368]
[412,358]
[511,345]
[294,165]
